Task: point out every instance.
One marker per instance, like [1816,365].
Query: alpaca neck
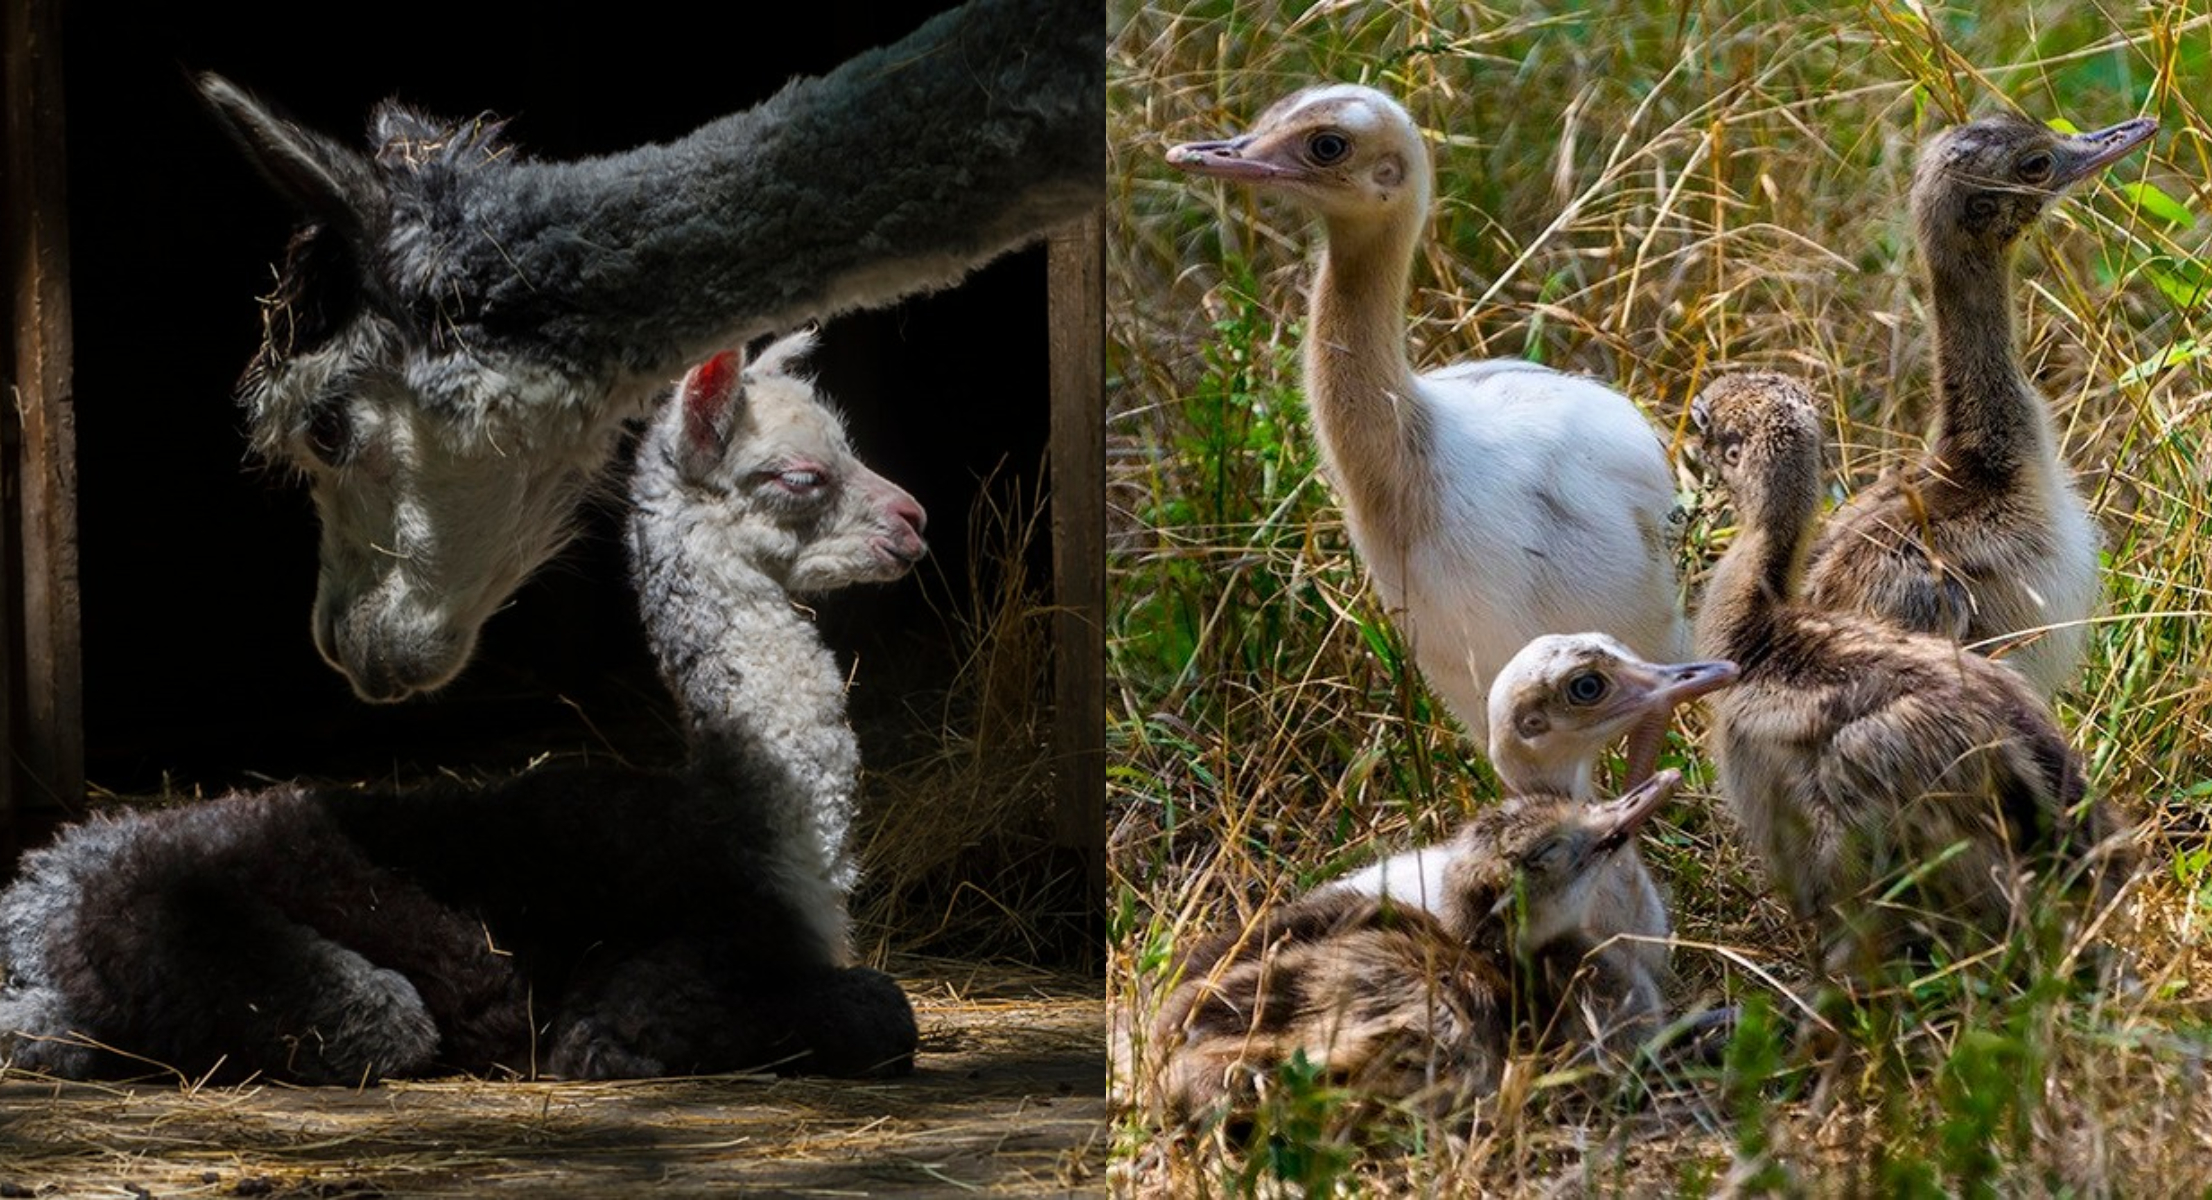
[763,704]
[1366,401]
[1992,422]
[803,207]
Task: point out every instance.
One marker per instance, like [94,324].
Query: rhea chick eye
[2036,167]
[1586,688]
[1327,147]
[1544,857]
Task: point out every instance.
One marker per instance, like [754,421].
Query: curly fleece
[587,921]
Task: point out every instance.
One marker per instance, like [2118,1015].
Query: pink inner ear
[706,393]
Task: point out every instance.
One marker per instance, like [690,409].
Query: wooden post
[48,709]
[11,575]
[1076,268]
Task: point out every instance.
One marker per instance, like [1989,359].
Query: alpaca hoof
[377,1026]
[588,1049]
[857,1025]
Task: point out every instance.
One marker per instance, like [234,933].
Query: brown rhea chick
[1555,707]
[1378,997]
[1544,882]
[1859,756]
[1984,539]
[1391,1001]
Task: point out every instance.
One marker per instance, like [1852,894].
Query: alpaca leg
[467,984]
[667,1010]
[205,979]
[364,1021]
[654,1013]
[34,1035]
[853,1021]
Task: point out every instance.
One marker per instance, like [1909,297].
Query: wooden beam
[49,748]
[11,569]
[1076,270]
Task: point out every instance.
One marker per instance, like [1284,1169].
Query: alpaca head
[459,333]
[444,471]
[748,469]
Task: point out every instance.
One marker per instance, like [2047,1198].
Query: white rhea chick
[1554,709]
[1490,501]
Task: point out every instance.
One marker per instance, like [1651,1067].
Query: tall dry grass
[1651,192]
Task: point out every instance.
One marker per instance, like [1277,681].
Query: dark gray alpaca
[645,922]
[459,332]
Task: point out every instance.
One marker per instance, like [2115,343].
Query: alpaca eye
[1326,147]
[330,434]
[802,481]
[2036,167]
[1586,688]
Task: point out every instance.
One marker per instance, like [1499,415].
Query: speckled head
[1761,432]
[1344,150]
[1978,186]
[1543,853]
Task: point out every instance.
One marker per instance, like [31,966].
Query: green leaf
[2185,281]
[2150,199]
[1379,641]
[2185,350]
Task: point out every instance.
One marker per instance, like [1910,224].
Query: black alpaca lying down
[591,922]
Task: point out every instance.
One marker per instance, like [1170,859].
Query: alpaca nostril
[909,511]
[390,651]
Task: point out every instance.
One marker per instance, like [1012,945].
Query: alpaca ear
[393,122]
[326,181]
[783,354]
[712,395]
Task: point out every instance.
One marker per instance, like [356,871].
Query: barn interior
[196,564]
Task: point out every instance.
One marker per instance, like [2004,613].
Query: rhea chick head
[1546,853]
[1564,698]
[1345,151]
[1977,187]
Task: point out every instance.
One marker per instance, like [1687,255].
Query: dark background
[198,565]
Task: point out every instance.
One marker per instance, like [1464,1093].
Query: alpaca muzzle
[391,651]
